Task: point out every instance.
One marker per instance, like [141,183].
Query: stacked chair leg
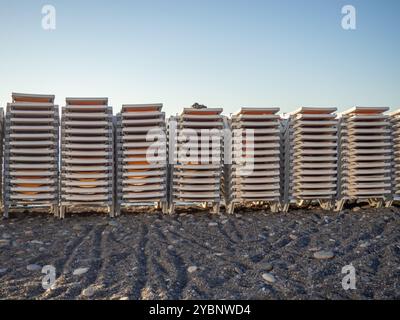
[311,158]
[1,155]
[87,155]
[195,144]
[141,157]
[255,170]
[365,156]
[31,156]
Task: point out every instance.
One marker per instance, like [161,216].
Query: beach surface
[196,255]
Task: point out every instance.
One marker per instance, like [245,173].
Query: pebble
[36,242]
[170,247]
[213,224]
[80,271]
[6,236]
[323,255]
[293,237]
[42,249]
[124,298]
[356,209]
[269,278]
[113,223]
[224,221]
[192,269]
[364,245]
[3,270]
[77,227]
[268,267]
[33,267]
[4,243]
[88,292]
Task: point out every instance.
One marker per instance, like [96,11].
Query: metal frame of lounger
[262,185]
[365,157]
[143,185]
[31,153]
[310,158]
[87,155]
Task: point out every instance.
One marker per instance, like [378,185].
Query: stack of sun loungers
[87,167]
[395,122]
[142,157]
[311,157]
[365,156]
[255,170]
[197,166]
[31,156]
[1,154]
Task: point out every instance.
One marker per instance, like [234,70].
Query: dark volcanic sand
[147,256]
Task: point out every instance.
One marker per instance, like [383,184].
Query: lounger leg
[215,209]
[172,209]
[274,207]
[111,210]
[56,210]
[230,209]
[117,210]
[6,212]
[285,207]
[340,205]
[164,207]
[62,212]
[389,203]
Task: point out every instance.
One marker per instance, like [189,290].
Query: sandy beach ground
[195,255]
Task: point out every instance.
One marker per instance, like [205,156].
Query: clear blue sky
[226,53]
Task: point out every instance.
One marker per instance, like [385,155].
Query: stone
[192,269]
[364,245]
[6,236]
[213,224]
[33,267]
[268,278]
[268,267]
[36,242]
[4,243]
[3,270]
[293,236]
[113,223]
[356,209]
[324,255]
[88,292]
[80,271]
